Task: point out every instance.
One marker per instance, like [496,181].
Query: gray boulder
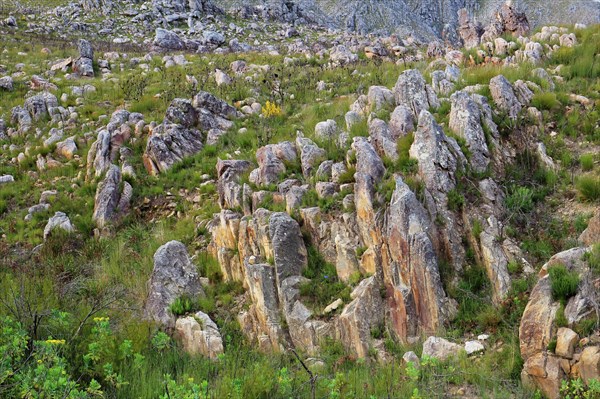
[168,40]
[173,276]
[412,91]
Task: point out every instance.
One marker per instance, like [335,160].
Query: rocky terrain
[204,199]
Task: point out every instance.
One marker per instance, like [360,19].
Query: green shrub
[182,305]
[589,187]
[587,162]
[520,200]
[563,282]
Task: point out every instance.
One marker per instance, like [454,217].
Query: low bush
[588,187]
[563,282]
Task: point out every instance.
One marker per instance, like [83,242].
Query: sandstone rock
[327,131]
[109,196]
[170,144]
[589,363]
[310,154]
[591,235]
[382,139]
[504,96]
[402,122]
[173,276]
[466,121]
[415,294]
[380,97]
[6,83]
[369,172]
[412,91]
[513,21]
[272,160]
[59,221]
[199,335]
[439,159]
[67,148]
[340,55]
[229,187]
[544,372]
[411,357]
[360,316]
[440,349]
[468,31]
[6,179]
[566,339]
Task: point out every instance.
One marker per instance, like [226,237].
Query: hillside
[203,201]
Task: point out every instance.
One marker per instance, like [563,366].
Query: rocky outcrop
[504,96]
[199,335]
[469,32]
[546,370]
[173,276]
[272,160]
[182,132]
[360,316]
[412,91]
[84,65]
[112,198]
[466,121]
[168,40]
[415,294]
[439,159]
[229,186]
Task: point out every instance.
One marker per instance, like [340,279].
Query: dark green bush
[563,282]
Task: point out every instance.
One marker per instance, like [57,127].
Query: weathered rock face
[412,91]
[311,155]
[59,221]
[468,31]
[111,200]
[360,316]
[382,139]
[513,21]
[402,122]
[199,335]
[170,144]
[230,189]
[173,276]
[184,128]
[545,370]
[84,65]
[272,160]
[369,172]
[466,121]
[439,159]
[505,97]
[416,298]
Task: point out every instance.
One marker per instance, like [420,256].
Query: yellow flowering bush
[271,109]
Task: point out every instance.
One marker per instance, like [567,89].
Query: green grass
[587,162]
[589,187]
